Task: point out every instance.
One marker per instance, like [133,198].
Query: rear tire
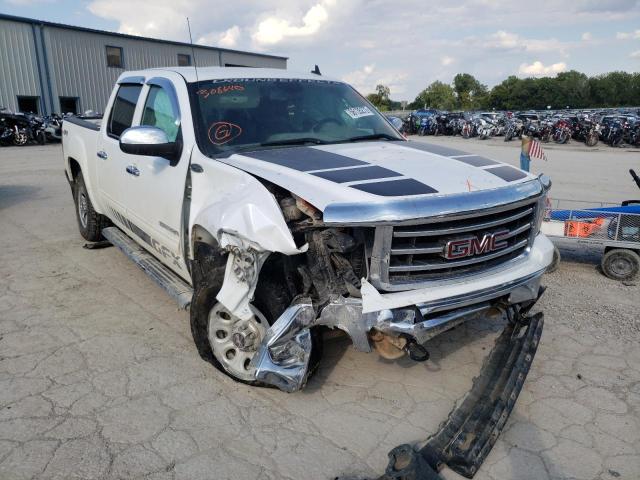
[621,264]
[90,222]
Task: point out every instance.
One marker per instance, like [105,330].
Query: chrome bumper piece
[283,356]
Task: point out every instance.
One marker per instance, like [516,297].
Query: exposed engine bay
[324,287]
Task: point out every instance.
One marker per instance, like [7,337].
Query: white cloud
[26,3]
[227,39]
[361,79]
[366,79]
[604,6]
[635,54]
[538,69]
[486,38]
[628,35]
[274,29]
[586,36]
[503,40]
[446,61]
[230,37]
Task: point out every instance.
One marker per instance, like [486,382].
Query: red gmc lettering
[468,247]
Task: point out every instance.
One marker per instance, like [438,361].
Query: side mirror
[150,141]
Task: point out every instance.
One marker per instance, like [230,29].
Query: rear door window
[123,109]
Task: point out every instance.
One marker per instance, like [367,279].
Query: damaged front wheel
[223,339]
[234,342]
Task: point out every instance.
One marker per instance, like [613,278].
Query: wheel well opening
[74,166]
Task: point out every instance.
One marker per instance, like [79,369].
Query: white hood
[374,171]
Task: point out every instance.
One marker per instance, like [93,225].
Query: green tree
[381,97]
[469,91]
[573,89]
[437,95]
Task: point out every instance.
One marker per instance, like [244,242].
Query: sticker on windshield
[358,112]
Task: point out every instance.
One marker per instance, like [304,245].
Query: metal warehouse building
[53,68]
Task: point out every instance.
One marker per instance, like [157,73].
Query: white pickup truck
[276,203]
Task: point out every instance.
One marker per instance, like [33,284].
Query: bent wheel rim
[234,342]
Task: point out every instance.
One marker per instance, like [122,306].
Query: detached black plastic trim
[466,438]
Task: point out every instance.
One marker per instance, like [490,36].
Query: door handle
[102,154]
[133,170]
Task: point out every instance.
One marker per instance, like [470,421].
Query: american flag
[536,151]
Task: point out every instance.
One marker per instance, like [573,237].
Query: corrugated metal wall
[248,60]
[79,63]
[73,63]
[18,66]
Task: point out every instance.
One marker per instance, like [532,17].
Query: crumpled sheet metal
[284,354]
[251,215]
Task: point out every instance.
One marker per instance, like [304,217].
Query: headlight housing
[542,203]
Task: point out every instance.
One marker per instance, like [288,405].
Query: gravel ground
[99,378]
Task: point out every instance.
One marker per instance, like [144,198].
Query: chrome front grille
[416,253]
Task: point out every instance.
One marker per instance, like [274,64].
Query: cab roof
[221,73]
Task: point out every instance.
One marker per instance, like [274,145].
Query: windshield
[251,114]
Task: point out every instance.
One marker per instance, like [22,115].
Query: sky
[404,44]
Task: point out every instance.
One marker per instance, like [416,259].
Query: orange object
[584,228]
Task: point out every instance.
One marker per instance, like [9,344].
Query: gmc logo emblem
[469,247]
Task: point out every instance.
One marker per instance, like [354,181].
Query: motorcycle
[409,126]
[52,127]
[427,126]
[562,132]
[616,133]
[513,129]
[485,129]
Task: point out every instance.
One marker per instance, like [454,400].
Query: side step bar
[175,286]
[466,438]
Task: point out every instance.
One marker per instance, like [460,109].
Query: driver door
[156,185]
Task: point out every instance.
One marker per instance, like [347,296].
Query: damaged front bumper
[468,435]
[283,357]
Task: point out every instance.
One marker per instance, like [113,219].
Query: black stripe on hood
[396,188]
[337,169]
[436,149]
[476,161]
[354,174]
[507,173]
[304,159]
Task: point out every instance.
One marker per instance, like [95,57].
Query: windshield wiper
[294,141]
[375,136]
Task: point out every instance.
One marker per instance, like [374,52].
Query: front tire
[90,222]
[621,264]
[218,334]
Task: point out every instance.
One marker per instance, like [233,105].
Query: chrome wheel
[20,139]
[234,342]
[83,208]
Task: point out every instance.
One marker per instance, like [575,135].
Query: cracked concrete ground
[99,378]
